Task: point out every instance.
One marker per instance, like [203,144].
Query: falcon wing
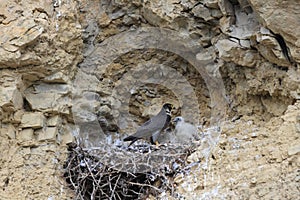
[147,129]
[147,122]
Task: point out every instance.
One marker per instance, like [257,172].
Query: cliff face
[66,66]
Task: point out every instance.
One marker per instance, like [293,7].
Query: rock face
[105,67]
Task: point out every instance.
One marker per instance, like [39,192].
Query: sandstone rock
[158,13]
[11,99]
[34,120]
[49,98]
[269,48]
[58,77]
[276,109]
[202,12]
[245,6]
[85,107]
[68,133]
[216,13]
[195,157]
[10,95]
[67,138]
[38,37]
[18,116]
[293,150]
[50,88]
[104,20]
[87,82]
[282,19]
[291,113]
[207,55]
[8,131]
[245,27]
[54,121]
[82,116]
[104,111]
[49,147]
[26,135]
[298,123]
[18,34]
[152,18]
[228,48]
[20,161]
[29,32]
[211,3]
[262,191]
[227,9]
[47,134]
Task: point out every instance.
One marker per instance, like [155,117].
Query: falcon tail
[131,138]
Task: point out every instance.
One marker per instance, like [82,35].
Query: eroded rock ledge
[48,49]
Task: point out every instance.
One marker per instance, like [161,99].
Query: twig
[144,185]
[113,191]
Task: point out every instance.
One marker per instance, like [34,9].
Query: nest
[118,172]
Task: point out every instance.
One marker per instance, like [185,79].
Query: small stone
[254,134]
[33,120]
[211,3]
[202,12]
[179,179]
[208,55]
[104,110]
[253,181]
[128,20]
[194,157]
[58,77]
[215,13]
[223,142]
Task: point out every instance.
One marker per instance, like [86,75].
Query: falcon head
[178,119]
[167,107]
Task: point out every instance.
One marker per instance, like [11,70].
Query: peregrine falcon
[152,128]
[185,132]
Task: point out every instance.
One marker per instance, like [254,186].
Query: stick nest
[120,173]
